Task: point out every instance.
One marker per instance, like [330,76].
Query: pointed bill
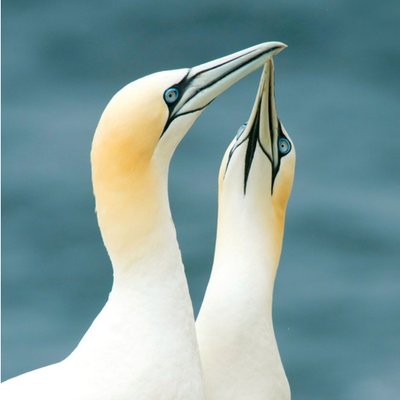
[263,128]
[205,82]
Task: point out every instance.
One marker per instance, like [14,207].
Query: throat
[246,259]
[134,216]
[145,332]
[235,330]
[140,238]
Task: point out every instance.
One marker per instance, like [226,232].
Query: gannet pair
[143,343]
[239,354]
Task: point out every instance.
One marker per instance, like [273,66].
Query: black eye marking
[283,147]
[278,138]
[186,81]
[172,100]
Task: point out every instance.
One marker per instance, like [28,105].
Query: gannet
[143,344]
[235,332]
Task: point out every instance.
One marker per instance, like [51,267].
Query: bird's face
[145,121]
[258,168]
[132,124]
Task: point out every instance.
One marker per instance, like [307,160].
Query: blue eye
[171,95]
[284,146]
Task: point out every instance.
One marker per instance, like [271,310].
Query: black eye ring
[171,95]
[284,146]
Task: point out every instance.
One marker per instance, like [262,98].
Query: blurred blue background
[337,296]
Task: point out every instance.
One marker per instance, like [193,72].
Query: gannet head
[257,171]
[151,115]
[139,131]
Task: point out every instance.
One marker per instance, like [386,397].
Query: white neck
[237,344]
[143,343]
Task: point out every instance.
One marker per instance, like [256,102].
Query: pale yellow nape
[284,182]
[282,189]
[259,212]
[129,187]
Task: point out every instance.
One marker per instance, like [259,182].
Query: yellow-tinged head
[130,130]
[137,136]
[257,171]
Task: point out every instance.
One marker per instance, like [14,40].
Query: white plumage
[142,345]
[237,343]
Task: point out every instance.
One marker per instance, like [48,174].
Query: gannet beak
[269,125]
[264,120]
[205,82]
[263,127]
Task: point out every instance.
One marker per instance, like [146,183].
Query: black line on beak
[186,82]
[275,164]
[252,145]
